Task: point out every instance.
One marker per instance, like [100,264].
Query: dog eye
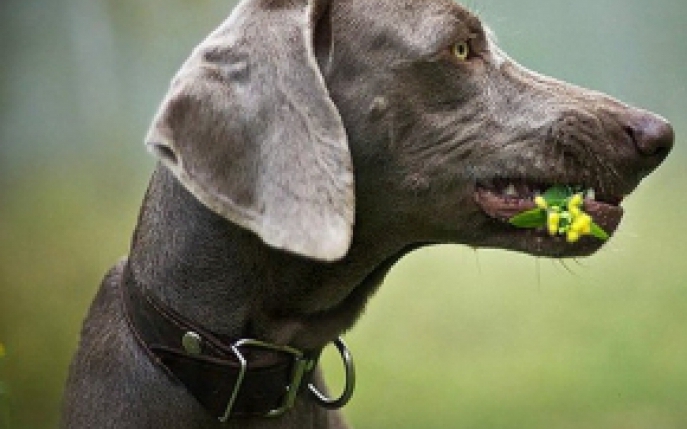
[461,50]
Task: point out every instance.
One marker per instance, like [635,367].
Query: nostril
[652,136]
[164,152]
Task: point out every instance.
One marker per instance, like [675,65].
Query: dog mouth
[502,199]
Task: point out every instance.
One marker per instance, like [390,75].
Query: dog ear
[249,128]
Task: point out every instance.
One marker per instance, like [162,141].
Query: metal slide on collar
[302,366]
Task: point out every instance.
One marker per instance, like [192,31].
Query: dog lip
[606,215]
[502,207]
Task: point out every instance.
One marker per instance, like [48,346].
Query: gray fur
[250,219]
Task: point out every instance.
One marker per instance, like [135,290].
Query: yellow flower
[575,211]
[3,352]
[582,224]
[576,200]
[553,222]
[575,203]
[540,202]
[573,236]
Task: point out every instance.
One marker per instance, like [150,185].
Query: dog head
[278,111]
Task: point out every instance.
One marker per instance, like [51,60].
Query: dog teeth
[510,191]
[590,194]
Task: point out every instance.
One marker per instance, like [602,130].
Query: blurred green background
[456,337]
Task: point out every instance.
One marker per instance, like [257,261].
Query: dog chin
[539,243]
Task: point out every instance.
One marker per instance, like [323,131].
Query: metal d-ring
[333,404]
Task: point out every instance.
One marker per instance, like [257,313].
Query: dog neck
[224,278]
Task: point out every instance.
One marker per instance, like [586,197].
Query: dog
[305,147]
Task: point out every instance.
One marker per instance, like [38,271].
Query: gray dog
[305,147]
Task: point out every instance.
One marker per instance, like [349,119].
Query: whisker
[537,262]
[567,268]
[477,261]
[578,262]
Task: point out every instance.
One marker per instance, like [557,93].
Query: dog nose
[653,138]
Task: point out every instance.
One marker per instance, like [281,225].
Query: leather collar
[243,378]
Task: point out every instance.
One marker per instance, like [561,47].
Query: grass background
[455,337]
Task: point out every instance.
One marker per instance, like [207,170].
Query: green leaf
[557,195]
[598,232]
[529,219]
